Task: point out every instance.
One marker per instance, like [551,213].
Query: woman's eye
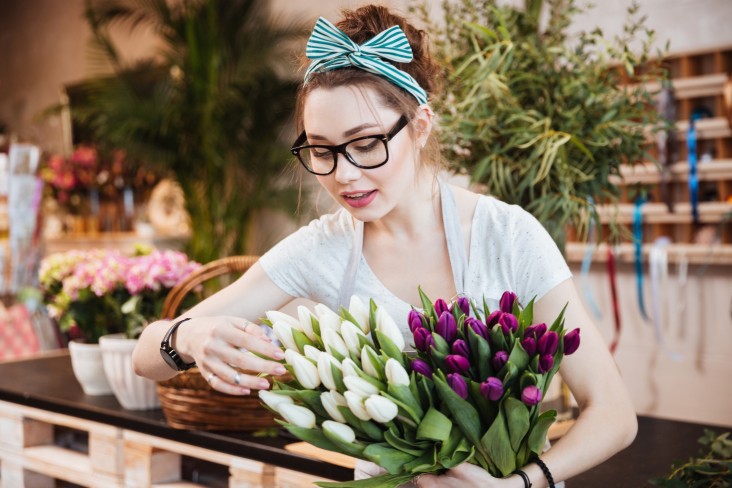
[366,145]
[320,153]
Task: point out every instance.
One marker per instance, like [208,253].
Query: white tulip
[305,320]
[341,431]
[356,406]
[381,409]
[331,400]
[349,367]
[297,415]
[351,333]
[360,386]
[312,352]
[325,363]
[276,316]
[273,399]
[327,318]
[334,342]
[283,331]
[369,362]
[305,371]
[360,312]
[386,325]
[395,373]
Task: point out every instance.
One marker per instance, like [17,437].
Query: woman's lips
[359,199]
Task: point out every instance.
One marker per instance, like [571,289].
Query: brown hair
[361,25]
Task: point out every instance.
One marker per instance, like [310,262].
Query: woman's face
[338,115]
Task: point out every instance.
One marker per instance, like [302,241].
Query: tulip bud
[327,318]
[339,430]
[423,340]
[492,389]
[507,300]
[571,341]
[273,399]
[531,395]
[360,386]
[297,415]
[499,359]
[276,316]
[546,361]
[349,367]
[509,323]
[529,345]
[446,327]
[306,322]
[535,331]
[356,406]
[380,408]
[311,352]
[325,365]
[395,373]
[415,320]
[360,312]
[350,333]
[331,400]
[334,342]
[548,343]
[441,307]
[370,362]
[458,384]
[464,305]
[386,325]
[305,371]
[283,331]
[460,347]
[457,364]
[477,326]
[421,367]
[493,318]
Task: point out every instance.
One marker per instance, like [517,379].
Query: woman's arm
[220,325]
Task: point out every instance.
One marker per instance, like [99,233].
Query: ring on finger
[210,377]
[237,378]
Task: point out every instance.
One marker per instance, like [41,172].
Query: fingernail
[280,354]
[263,384]
[280,369]
[245,391]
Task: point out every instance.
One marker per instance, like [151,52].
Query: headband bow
[330,48]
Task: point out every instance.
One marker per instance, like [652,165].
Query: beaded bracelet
[525,477]
[546,472]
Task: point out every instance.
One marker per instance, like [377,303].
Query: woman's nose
[345,171]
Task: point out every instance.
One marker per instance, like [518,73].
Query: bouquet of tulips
[471,392]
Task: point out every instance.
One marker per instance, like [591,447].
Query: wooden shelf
[648,173]
[657,213]
[710,128]
[694,87]
[717,254]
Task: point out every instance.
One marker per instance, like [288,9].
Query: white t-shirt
[509,250]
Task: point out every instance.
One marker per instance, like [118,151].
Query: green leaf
[398,443]
[434,426]
[537,436]
[517,416]
[382,481]
[301,339]
[498,446]
[559,321]
[429,309]
[393,460]
[315,437]
[388,347]
[462,412]
[426,463]
[404,395]
[526,317]
[518,356]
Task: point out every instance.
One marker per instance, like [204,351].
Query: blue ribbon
[693,176]
[330,48]
[638,241]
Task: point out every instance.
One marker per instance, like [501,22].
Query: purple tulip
[477,326]
[529,345]
[499,359]
[535,331]
[415,320]
[460,347]
[457,364]
[423,340]
[446,327]
[509,323]
[492,389]
[507,300]
[458,385]
[546,361]
[464,305]
[493,318]
[548,343]
[421,367]
[441,307]
[531,395]
[571,341]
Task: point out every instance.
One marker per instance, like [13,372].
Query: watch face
[166,355]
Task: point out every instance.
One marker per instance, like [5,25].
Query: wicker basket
[187,400]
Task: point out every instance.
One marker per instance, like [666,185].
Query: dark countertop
[48,383]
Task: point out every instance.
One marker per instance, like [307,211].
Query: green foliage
[209,108]
[535,116]
[713,467]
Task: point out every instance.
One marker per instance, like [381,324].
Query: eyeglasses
[366,152]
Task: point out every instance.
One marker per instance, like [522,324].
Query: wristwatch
[170,355]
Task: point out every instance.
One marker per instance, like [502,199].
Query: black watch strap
[169,354]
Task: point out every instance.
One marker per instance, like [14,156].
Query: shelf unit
[702,81]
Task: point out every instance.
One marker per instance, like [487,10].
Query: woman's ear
[423,124]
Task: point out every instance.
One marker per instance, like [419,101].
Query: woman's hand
[465,475]
[222,346]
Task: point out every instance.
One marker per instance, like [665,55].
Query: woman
[367,137]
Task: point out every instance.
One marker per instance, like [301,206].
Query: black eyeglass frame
[341,148]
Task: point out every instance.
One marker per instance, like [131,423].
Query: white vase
[133,392]
[86,361]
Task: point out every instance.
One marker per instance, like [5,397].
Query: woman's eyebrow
[347,133]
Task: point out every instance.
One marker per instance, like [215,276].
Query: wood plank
[709,128]
[286,478]
[709,212]
[720,255]
[57,419]
[648,173]
[694,86]
[311,451]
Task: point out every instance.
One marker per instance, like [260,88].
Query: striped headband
[330,48]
